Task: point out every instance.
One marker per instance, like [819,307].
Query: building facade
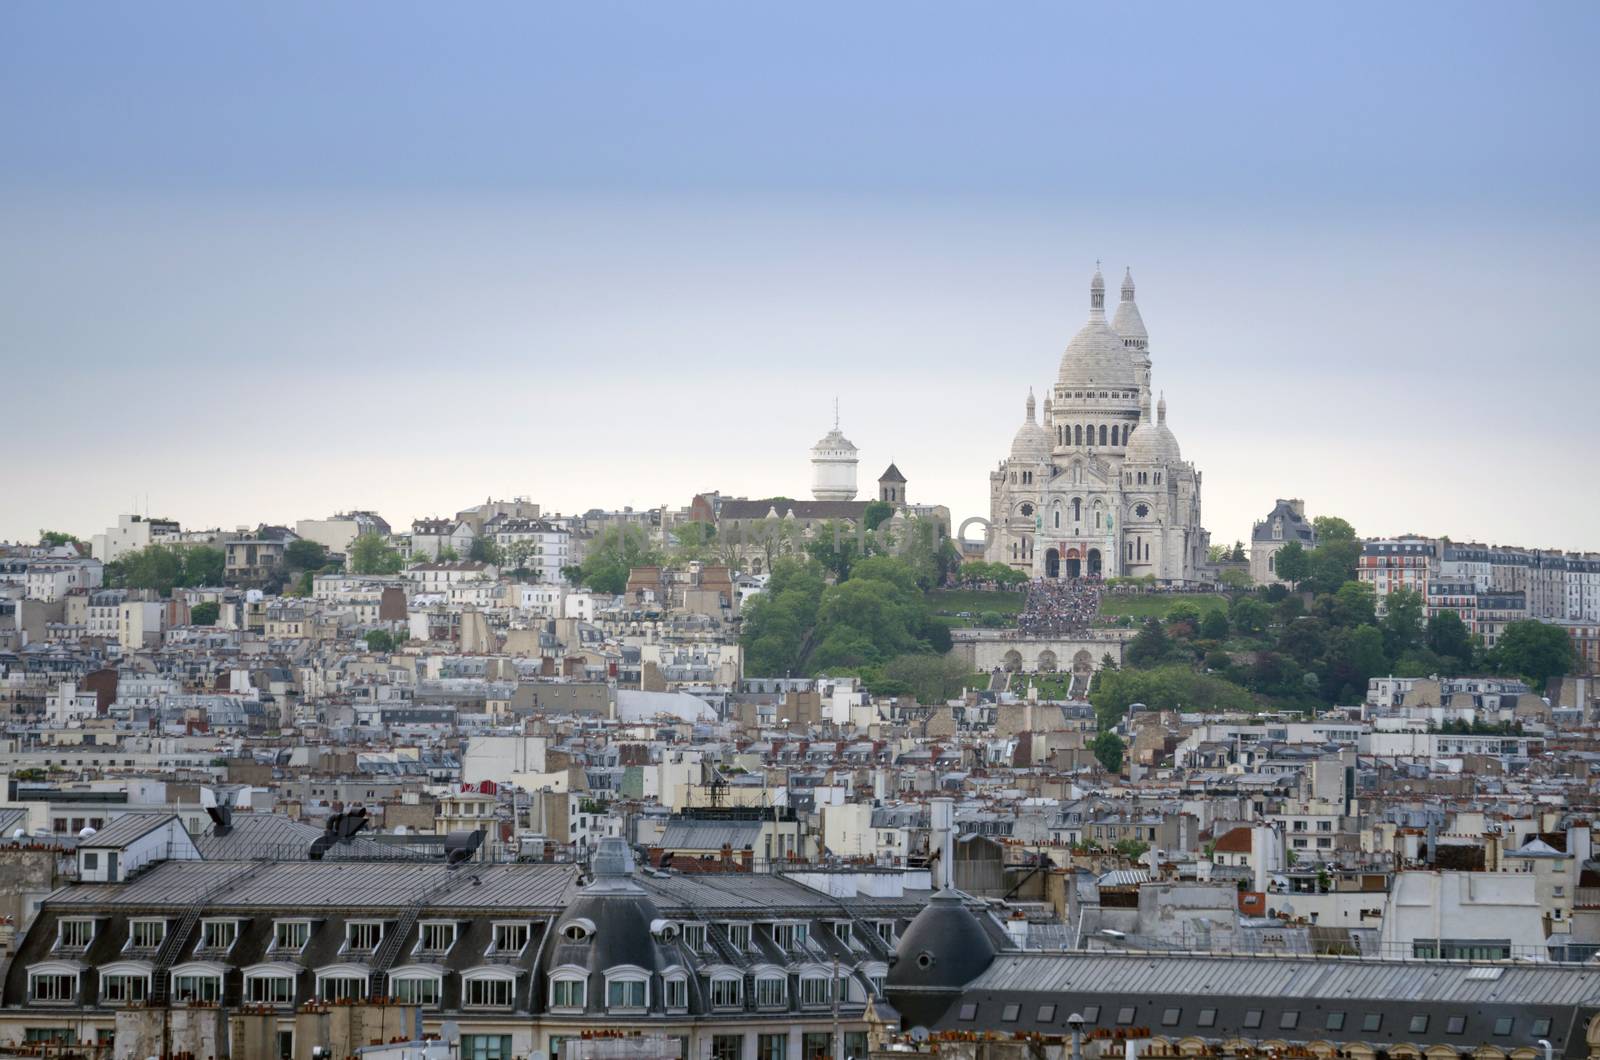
[1098,487]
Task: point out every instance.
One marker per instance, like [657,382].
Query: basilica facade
[1098,487]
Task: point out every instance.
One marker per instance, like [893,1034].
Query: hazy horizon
[265,264]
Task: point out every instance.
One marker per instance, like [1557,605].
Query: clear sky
[262,262]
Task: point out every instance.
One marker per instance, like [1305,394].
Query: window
[416,989]
[1503,1025]
[625,993]
[1455,1025]
[1171,1016]
[91,860]
[694,936]
[1288,1021]
[269,989]
[1419,1024]
[342,987]
[438,936]
[739,936]
[1252,1018]
[74,934]
[363,934]
[486,993]
[770,991]
[968,1013]
[1541,1028]
[772,1046]
[1046,1014]
[727,992]
[53,986]
[219,934]
[815,991]
[510,938]
[1091,1014]
[122,988]
[1336,1021]
[146,934]
[196,986]
[1125,1015]
[486,1047]
[1010,1013]
[1371,1021]
[789,935]
[569,993]
[727,1047]
[291,934]
[677,992]
[816,1046]
[885,930]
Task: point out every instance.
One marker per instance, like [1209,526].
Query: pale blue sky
[262,263]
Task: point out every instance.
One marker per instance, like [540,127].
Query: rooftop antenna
[836,412]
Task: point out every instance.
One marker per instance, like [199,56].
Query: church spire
[1030,404]
[1127,284]
[1161,409]
[1097,293]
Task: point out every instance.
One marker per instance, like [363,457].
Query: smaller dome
[944,948]
[1151,443]
[1169,441]
[1032,442]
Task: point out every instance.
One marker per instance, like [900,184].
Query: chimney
[941,836]
[1298,506]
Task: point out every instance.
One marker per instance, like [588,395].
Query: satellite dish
[401,829]
[919,1034]
[20,833]
[85,832]
[450,1031]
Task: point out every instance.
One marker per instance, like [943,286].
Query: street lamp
[1075,1021]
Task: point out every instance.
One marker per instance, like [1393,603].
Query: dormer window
[363,935]
[53,984]
[739,936]
[218,934]
[74,934]
[569,990]
[694,936]
[627,989]
[290,935]
[436,936]
[579,930]
[146,934]
[510,938]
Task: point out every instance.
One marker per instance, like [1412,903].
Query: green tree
[693,540]
[876,513]
[612,555]
[1402,622]
[1172,687]
[837,546]
[1108,748]
[204,613]
[1332,562]
[1448,636]
[931,678]
[56,538]
[1249,616]
[1332,528]
[1183,615]
[1235,580]
[157,567]
[1238,552]
[1292,563]
[371,554]
[1533,651]
[202,565]
[447,555]
[1354,604]
[380,640]
[484,550]
[305,554]
[1150,647]
[1214,626]
[777,623]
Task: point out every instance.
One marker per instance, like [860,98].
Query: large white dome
[1096,358]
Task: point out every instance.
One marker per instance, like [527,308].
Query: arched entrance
[1094,563]
[1047,661]
[1052,563]
[1082,662]
[1074,564]
[1012,661]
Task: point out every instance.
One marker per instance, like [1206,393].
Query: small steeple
[1161,408]
[1097,293]
[1030,404]
[1127,284]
